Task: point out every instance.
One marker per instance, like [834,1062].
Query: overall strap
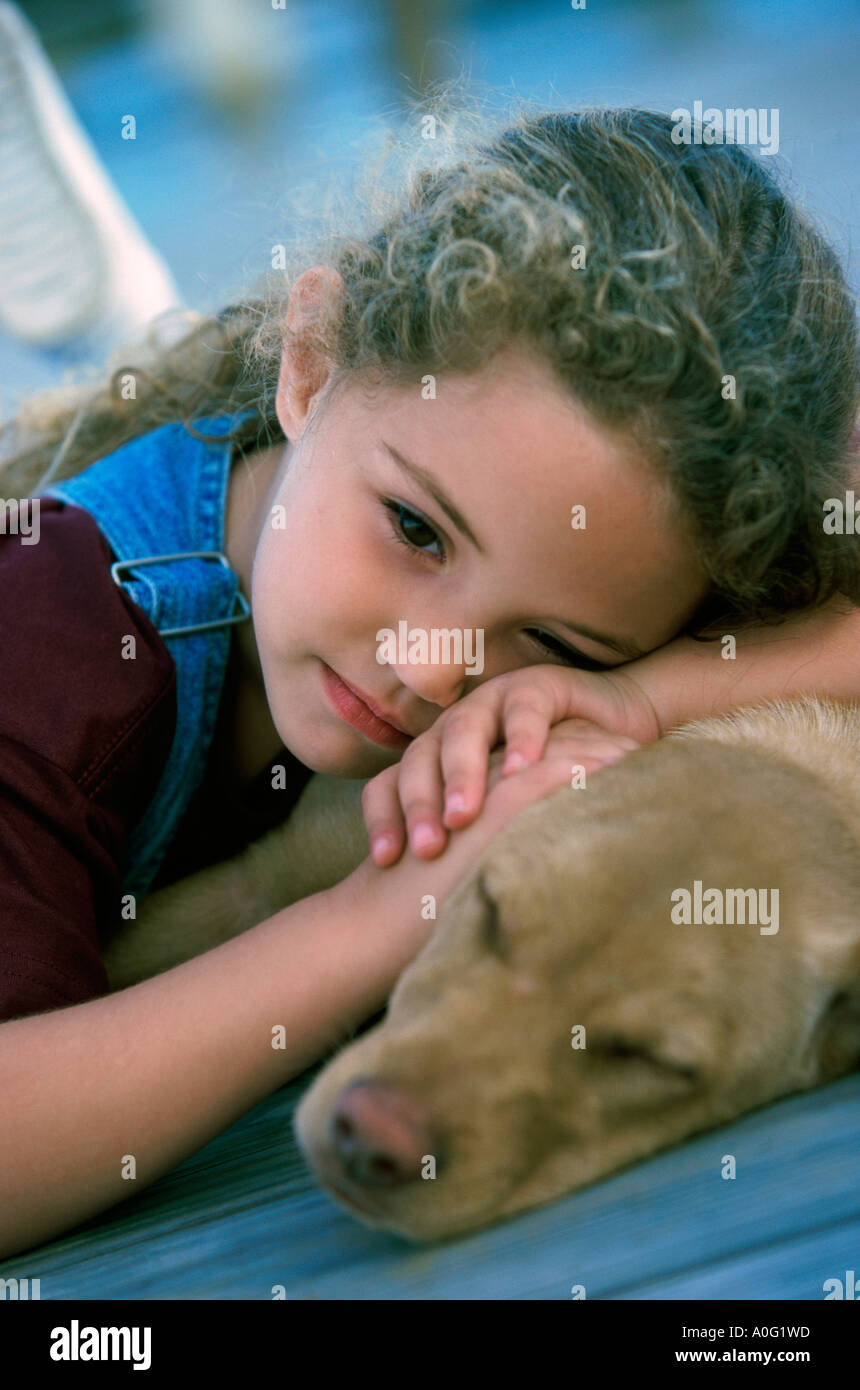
[160,502]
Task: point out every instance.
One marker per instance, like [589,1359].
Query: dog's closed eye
[628,1052]
[492,932]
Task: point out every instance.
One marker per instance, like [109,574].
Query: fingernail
[513,762]
[422,836]
[381,844]
[455,802]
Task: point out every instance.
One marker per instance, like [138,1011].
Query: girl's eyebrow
[429,484]
[623,646]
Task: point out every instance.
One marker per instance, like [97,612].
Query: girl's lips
[358,715]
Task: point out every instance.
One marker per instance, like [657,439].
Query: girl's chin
[329,752]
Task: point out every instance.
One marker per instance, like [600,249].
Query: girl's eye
[569,654]
[412,530]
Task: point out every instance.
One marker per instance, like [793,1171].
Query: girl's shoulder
[85,671]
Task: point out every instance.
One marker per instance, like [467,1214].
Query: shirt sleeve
[84,737]
[56,878]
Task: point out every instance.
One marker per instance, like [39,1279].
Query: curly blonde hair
[645,272]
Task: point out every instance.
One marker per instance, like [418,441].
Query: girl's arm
[815,654]
[156,1070]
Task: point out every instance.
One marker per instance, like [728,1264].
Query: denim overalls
[160,502]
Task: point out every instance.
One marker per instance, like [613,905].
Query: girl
[584,390]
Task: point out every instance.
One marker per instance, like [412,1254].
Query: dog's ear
[835,1043]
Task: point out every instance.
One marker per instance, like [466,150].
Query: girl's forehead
[510,428]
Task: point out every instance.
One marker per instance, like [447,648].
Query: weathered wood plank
[244,1215]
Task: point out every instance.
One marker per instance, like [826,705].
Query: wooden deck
[243,1215]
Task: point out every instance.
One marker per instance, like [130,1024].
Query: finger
[590,758]
[618,749]
[586,730]
[527,716]
[600,743]
[420,791]
[615,751]
[467,738]
[536,781]
[383,817]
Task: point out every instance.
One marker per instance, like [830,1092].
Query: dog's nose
[380,1135]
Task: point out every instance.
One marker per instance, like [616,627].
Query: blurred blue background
[244,110]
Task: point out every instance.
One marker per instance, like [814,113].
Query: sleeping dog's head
[570,1015]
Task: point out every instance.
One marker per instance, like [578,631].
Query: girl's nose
[438,684]
[438,664]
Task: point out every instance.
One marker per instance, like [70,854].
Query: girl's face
[452,513]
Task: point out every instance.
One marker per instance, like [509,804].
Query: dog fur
[470,1102]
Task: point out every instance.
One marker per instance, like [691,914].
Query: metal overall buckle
[235,617]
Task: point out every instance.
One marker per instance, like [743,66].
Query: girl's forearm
[815,654]
[157,1070]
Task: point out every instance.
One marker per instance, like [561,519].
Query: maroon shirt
[84,738]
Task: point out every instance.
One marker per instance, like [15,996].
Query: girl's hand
[399,890]
[521,707]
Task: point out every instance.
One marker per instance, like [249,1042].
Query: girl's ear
[314,308]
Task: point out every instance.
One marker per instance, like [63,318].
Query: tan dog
[564,1019]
